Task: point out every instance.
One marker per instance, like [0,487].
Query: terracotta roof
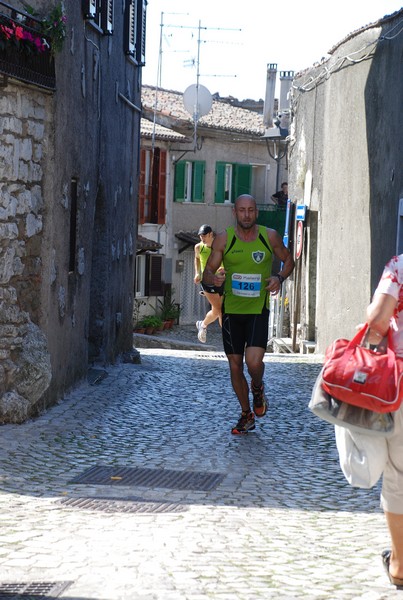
[190,238]
[147,129]
[222,116]
[144,244]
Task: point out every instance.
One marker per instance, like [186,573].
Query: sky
[226,45]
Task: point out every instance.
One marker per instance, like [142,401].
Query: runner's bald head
[244,197]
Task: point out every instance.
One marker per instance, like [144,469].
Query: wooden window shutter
[154,283]
[141,32]
[130,27]
[242,180]
[162,187]
[90,8]
[107,16]
[219,182]
[198,181]
[179,186]
[142,190]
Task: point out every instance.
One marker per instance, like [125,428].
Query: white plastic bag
[353,417]
[362,457]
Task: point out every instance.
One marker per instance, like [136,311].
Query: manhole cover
[164,478]
[33,590]
[122,506]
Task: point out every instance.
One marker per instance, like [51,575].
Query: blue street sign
[300,212]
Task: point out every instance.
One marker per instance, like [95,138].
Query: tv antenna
[197,99]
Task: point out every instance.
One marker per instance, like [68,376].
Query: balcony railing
[25,51]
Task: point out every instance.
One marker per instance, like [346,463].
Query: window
[140,276]
[100,13]
[90,9]
[232,180]
[189,181]
[107,16]
[149,275]
[154,283]
[152,186]
[135,30]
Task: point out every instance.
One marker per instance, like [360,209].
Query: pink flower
[38,43]
[19,33]
[28,36]
[7,31]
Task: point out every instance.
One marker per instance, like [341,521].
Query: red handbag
[364,377]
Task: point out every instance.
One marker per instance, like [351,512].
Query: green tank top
[247,266]
[204,253]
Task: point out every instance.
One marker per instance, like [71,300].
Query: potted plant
[168,309]
[151,323]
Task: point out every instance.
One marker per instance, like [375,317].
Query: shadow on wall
[384,120]
[99,282]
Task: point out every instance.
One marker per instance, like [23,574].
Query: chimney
[268,108]
[286,78]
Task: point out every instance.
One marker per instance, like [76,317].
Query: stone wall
[25,371]
[345,165]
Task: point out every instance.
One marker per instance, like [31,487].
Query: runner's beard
[247,225]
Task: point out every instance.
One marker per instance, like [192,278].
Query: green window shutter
[242,180]
[179,187]
[219,182]
[198,181]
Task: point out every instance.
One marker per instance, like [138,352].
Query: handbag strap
[361,337]
[385,342]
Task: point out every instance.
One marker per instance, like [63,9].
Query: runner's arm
[197,277]
[210,275]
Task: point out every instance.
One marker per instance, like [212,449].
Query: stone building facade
[345,160]
[69,171]
[25,366]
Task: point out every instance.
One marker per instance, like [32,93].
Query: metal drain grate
[123,506]
[164,478]
[33,590]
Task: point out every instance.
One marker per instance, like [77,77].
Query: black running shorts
[212,289]
[240,331]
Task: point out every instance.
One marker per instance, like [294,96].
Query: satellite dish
[197,100]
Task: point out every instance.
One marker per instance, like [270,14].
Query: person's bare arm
[379,314]
[210,275]
[283,254]
[197,277]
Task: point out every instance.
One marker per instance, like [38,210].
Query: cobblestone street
[133,488]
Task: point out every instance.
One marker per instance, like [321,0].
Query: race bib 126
[244,284]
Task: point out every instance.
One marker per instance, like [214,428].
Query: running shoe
[202,332]
[260,401]
[246,423]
